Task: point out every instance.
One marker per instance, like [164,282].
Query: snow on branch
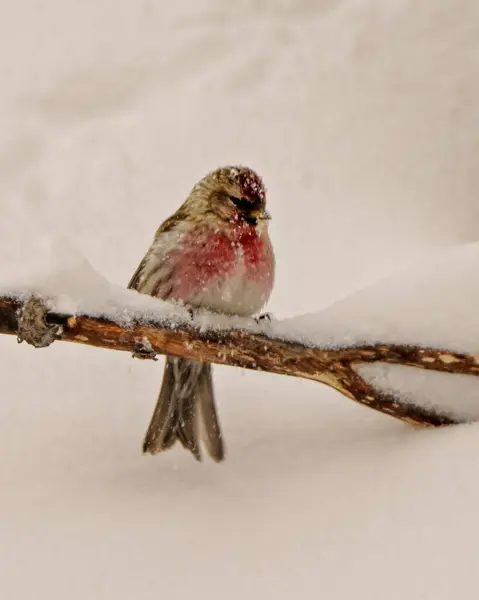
[408,346]
[240,343]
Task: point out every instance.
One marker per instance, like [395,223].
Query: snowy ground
[362,118]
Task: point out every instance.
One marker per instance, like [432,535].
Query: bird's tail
[185,410]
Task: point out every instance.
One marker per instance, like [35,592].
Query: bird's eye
[242,204]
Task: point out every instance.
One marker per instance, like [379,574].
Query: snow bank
[433,303]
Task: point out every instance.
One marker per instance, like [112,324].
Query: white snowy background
[362,118]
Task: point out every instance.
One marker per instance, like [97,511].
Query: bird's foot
[264,318]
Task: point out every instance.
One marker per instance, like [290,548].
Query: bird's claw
[144,351]
[265,317]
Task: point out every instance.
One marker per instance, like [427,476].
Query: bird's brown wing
[162,270]
[135,280]
[154,275]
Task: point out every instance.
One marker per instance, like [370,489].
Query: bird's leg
[143,350]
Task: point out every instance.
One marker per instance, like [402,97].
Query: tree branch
[31,321]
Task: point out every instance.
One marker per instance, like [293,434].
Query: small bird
[213,253]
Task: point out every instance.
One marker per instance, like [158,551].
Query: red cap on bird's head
[251,185]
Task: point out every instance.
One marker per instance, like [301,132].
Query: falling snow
[362,118]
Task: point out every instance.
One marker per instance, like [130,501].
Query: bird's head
[235,194]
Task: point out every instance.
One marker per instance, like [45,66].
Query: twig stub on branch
[33,327]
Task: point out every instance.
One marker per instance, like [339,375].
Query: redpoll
[214,253]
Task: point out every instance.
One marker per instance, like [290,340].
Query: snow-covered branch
[239,343]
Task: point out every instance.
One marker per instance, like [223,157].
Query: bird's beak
[261,214]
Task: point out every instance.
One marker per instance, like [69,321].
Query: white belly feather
[237,293]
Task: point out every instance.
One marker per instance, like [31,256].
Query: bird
[213,253]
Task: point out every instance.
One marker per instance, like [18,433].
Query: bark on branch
[30,321]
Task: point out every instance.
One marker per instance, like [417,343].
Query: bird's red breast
[209,258]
